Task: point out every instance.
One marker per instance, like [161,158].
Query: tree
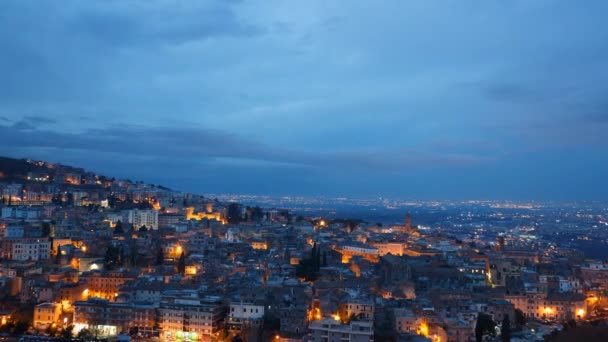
[119,229]
[111,258]
[520,318]
[181,264]
[69,199]
[257,214]
[324,259]
[505,329]
[21,327]
[85,334]
[160,256]
[318,260]
[58,256]
[46,229]
[234,213]
[143,229]
[484,325]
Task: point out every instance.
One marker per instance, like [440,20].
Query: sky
[446,99]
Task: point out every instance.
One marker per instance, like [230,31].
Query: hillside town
[89,257]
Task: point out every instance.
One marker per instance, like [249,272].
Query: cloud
[349,88]
[215,146]
[166,23]
[31,123]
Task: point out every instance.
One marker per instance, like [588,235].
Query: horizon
[334,197]
[452,100]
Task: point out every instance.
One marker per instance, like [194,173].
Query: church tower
[408,222]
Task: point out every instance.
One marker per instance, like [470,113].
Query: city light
[424,329]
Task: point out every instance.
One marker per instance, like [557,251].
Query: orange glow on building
[580,313]
[191,215]
[260,245]
[423,329]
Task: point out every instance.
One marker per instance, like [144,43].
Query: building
[190,317]
[558,306]
[105,285]
[242,315]
[140,218]
[354,248]
[330,330]
[26,249]
[144,319]
[407,321]
[14,232]
[394,248]
[101,317]
[357,308]
[46,314]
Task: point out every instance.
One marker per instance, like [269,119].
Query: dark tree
[67,332]
[69,199]
[484,325]
[21,327]
[257,214]
[234,213]
[119,229]
[520,318]
[160,256]
[111,258]
[58,256]
[505,329]
[143,229]
[181,264]
[121,256]
[309,267]
[46,229]
[318,259]
[85,334]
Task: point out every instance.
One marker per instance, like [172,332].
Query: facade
[360,309]
[26,249]
[46,314]
[407,321]
[394,248]
[102,317]
[559,306]
[330,330]
[105,285]
[241,315]
[140,218]
[191,317]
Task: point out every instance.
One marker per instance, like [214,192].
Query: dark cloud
[218,146]
[31,123]
[172,25]
[528,92]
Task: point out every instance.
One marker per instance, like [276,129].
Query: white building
[26,249]
[139,218]
[329,329]
[244,314]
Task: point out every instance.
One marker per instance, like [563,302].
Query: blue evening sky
[414,99]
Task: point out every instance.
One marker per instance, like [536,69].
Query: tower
[408,222]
